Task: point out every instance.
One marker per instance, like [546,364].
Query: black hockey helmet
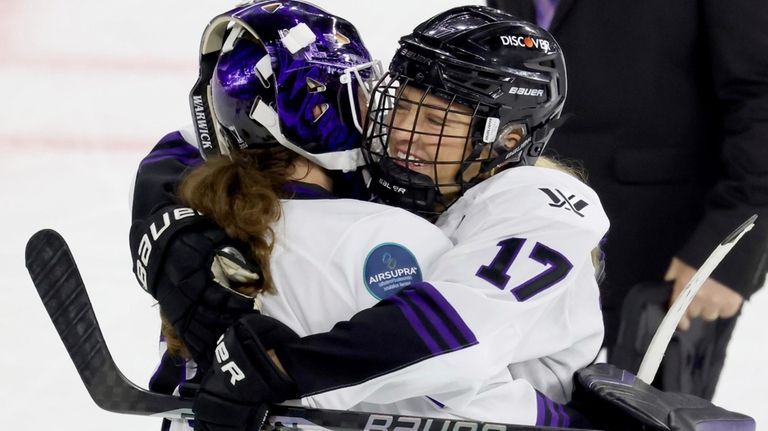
[505,75]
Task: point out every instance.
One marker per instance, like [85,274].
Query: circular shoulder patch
[388,268]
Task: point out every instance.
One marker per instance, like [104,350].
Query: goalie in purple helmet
[280,83]
[290,58]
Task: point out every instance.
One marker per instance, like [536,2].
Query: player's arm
[245,377]
[181,258]
[438,337]
[159,174]
[446,336]
[382,250]
[411,344]
[489,300]
[379,355]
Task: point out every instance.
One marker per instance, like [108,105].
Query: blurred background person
[669,116]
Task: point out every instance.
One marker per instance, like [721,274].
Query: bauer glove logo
[222,354]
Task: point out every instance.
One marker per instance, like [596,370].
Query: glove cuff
[244,366]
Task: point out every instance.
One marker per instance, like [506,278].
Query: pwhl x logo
[570,203]
[525,42]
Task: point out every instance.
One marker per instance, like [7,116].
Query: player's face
[428,135]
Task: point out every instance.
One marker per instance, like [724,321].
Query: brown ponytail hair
[242,195]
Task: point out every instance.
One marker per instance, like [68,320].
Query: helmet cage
[506,75]
[399,177]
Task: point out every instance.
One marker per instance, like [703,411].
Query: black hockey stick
[57,280]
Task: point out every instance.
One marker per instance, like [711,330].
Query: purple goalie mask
[283,73]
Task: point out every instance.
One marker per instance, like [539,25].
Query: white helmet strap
[345,161]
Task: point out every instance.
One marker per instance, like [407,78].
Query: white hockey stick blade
[652,359]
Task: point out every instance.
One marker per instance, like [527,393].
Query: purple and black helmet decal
[283,73]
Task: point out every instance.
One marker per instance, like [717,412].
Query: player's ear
[511,137]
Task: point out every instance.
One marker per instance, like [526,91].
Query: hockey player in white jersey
[472,98]
[456,338]
[459,123]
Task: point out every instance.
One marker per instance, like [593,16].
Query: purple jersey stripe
[555,417]
[186,161]
[434,319]
[416,324]
[159,372]
[301,190]
[188,155]
[552,414]
[566,418]
[173,138]
[169,374]
[182,150]
[449,311]
[540,410]
[437,403]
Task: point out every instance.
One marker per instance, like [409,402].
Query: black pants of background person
[669,120]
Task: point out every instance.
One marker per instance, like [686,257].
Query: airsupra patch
[388,268]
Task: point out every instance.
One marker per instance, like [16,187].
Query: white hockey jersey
[490,329]
[335,257]
[513,306]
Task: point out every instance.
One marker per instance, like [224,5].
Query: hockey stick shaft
[653,356]
[62,291]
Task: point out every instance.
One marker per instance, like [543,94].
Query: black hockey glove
[193,289]
[615,399]
[235,393]
[188,264]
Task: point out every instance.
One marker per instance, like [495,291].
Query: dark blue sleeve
[159,174]
[413,325]
[156,215]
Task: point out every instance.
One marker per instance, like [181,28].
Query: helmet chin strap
[401,187]
[345,161]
